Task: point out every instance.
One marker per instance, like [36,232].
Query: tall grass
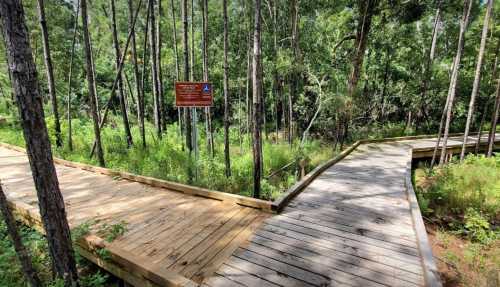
[166,158]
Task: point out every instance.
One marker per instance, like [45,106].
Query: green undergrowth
[167,159]
[10,269]
[461,205]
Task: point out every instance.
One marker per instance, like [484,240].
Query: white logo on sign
[206,88]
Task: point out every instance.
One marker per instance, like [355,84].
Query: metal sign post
[193,95]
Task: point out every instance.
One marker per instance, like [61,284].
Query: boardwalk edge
[431,273]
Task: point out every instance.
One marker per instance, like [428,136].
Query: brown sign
[190,94]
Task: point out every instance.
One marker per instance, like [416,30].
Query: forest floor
[460,204]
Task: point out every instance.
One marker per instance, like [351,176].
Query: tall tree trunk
[116,44]
[144,58]
[227,160]
[137,78]
[176,55]
[256,89]
[191,59]
[159,45]
[208,117]
[30,107]
[432,51]
[21,251]
[185,41]
[90,82]
[73,43]
[50,71]
[494,120]
[477,76]
[366,11]
[293,77]
[454,77]
[154,69]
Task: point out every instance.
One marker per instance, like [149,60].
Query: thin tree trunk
[293,77]
[208,118]
[30,107]
[159,43]
[21,251]
[256,89]
[50,71]
[154,70]
[185,41]
[73,43]
[192,61]
[494,120]
[306,131]
[480,130]
[90,82]
[430,59]
[176,55]
[227,160]
[454,78]
[477,76]
[137,78]
[126,126]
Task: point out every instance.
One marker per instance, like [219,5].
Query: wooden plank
[265,273]
[360,250]
[178,261]
[220,281]
[240,276]
[350,239]
[220,241]
[239,240]
[196,231]
[362,224]
[333,260]
[333,275]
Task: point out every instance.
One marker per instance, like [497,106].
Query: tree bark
[430,59]
[494,120]
[21,251]
[185,41]
[73,43]
[293,77]
[454,77]
[30,107]
[154,70]
[176,55]
[90,82]
[256,89]
[159,43]
[208,117]
[126,126]
[50,71]
[227,160]
[137,78]
[477,77]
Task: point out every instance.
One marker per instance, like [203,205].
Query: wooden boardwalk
[354,225]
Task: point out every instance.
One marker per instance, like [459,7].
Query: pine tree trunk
[430,59]
[256,89]
[494,120]
[137,78]
[30,107]
[227,160]
[21,251]
[126,126]
[161,98]
[208,117]
[185,41]
[154,69]
[477,76]
[73,43]
[90,82]
[176,55]
[293,77]
[50,71]
[454,77]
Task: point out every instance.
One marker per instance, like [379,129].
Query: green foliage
[478,228]
[113,231]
